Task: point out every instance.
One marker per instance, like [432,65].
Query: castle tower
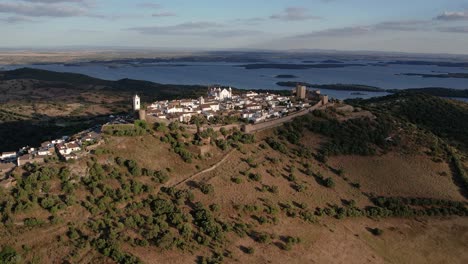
[136,103]
[301,91]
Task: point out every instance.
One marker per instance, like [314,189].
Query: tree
[8,255]
[328,182]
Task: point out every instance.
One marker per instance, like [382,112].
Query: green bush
[329,183]
[249,250]
[255,177]
[8,255]
[32,222]
[236,180]
[376,231]
[206,188]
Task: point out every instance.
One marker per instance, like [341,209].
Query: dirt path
[205,170]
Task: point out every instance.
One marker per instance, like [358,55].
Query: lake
[231,74]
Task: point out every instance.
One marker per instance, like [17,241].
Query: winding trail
[215,166]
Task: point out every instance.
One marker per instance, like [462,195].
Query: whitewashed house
[8,156]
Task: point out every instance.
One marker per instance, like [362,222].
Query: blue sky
[433,26]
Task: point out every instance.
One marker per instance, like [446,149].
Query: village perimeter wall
[278,122]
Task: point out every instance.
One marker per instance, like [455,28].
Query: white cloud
[195,29]
[453,16]
[149,5]
[294,14]
[163,14]
[459,29]
[41,10]
[183,28]
[16,20]
[338,32]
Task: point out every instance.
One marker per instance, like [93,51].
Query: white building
[210,107]
[136,103]
[219,94]
[68,148]
[8,156]
[174,110]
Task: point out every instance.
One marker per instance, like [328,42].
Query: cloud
[453,16]
[85,31]
[149,5]
[16,20]
[294,14]
[55,1]
[338,32]
[163,14]
[460,29]
[405,25]
[195,28]
[183,28]
[41,10]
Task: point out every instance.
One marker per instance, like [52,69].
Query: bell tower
[136,103]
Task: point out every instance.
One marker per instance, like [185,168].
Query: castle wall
[280,121]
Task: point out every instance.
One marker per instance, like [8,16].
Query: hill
[445,118]
[38,105]
[331,186]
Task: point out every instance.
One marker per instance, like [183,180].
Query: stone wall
[280,121]
[152,119]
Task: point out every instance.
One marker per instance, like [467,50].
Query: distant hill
[44,75]
[445,118]
[149,90]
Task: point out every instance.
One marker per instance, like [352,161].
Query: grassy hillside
[331,186]
[153,198]
[37,105]
[445,118]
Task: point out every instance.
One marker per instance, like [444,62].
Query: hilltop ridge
[376,181]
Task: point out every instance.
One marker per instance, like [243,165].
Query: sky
[423,26]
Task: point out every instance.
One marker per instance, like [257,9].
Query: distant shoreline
[445,75]
[436,91]
[286,76]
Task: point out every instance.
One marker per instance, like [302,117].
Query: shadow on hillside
[17,134]
[462,188]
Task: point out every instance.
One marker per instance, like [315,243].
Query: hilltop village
[250,107]
[250,111]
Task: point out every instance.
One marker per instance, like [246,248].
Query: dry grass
[422,240]
[37,98]
[400,175]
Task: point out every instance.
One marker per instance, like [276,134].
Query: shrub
[8,255]
[376,231]
[214,207]
[264,238]
[329,183]
[255,176]
[276,145]
[32,222]
[236,180]
[249,250]
[206,188]
[160,127]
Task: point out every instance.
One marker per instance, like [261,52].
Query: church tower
[136,103]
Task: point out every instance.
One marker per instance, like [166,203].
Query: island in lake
[337,87]
[435,91]
[445,75]
[285,76]
[288,66]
